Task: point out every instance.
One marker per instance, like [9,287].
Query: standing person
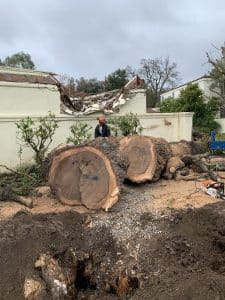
[102,129]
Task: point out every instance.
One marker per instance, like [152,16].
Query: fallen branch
[24,201]
[203,166]
[7,194]
[16,172]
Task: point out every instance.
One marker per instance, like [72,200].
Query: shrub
[37,136]
[80,133]
[23,180]
[191,100]
[126,125]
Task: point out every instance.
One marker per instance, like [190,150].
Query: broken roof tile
[9,77]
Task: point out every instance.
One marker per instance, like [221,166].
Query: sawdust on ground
[169,195]
[163,196]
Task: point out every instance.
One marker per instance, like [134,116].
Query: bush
[23,180]
[80,133]
[126,125]
[191,100]
[38,136]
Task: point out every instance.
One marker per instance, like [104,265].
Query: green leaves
[80,133]
[126,125]
[116,80]
[191,99]
[38,136]
[19,60]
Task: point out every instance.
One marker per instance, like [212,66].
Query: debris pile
[107,102]
[189,166]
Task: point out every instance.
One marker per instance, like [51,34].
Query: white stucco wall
[136,104]
[26,98]
[171,126]
[221,121]
[203,83]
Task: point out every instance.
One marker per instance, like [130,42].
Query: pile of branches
[184,165]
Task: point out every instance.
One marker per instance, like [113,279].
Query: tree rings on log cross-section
[84,175]
[142,156]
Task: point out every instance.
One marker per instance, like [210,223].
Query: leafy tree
[80,133]
[116,80]
[126,125]
[18,60]
[90,86]
[191,100]
[217,75]
[37,136]
[159,75]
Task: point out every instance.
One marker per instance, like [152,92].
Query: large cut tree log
[88,175]
[147,157]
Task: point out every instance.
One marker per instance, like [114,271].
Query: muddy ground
[164,240]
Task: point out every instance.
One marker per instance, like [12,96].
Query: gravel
[125,219]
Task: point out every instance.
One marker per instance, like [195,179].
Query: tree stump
[147,157]
[89,175]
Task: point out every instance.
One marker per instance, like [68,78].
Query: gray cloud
[92,38]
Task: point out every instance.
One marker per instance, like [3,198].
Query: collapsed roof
[8,74]
[107,102]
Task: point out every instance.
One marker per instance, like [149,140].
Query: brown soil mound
[25,237]
[174,256]
[187,262]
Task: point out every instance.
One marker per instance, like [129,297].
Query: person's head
[101,120]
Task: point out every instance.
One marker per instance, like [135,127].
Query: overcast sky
[92,38]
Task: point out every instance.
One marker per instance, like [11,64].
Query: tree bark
[89,175]
[174,163]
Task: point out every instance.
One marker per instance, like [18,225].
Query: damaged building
[31,92]
[28,92]
[107,103]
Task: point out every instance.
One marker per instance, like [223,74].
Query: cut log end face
[142,156]
[84,175]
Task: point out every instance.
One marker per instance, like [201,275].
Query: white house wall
[136,104]
[203,83]
[221,121]
[26,98]
[171,126]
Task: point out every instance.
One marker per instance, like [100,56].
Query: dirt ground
[166,239]
[163,195]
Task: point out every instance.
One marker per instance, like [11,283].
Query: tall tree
[18,60]
[159,75]
[217,74]
[90,86]
[116,80]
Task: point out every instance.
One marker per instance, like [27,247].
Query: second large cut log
[147,157]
